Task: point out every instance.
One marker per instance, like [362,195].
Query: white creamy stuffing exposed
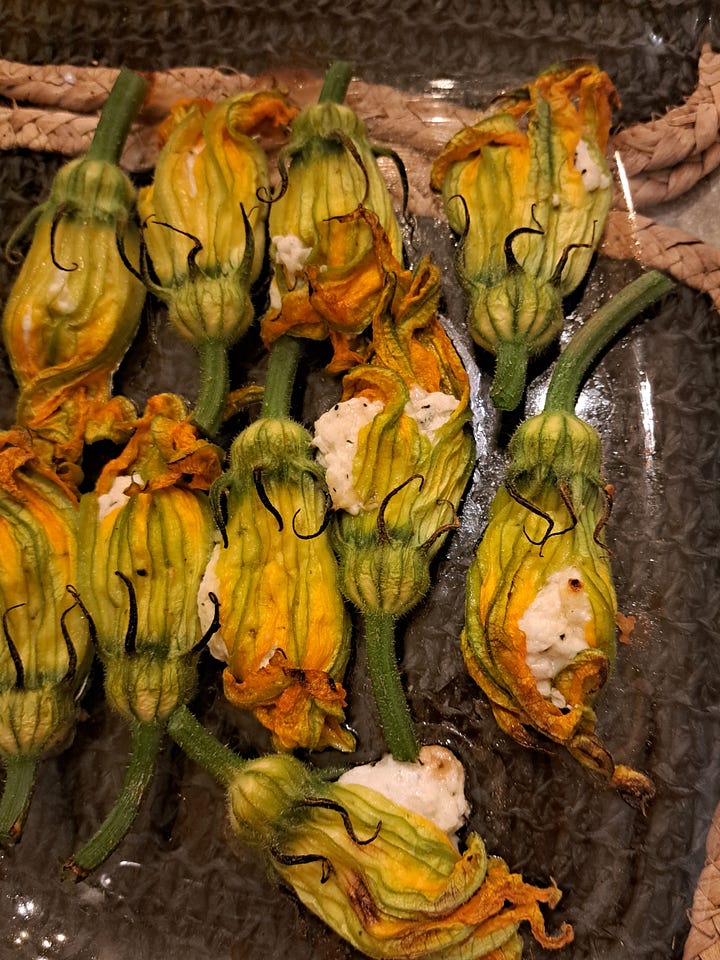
[431,411]
[291,254]
[336,439]
[554,628]
[433,786]
[589,169]
[116,495]
[206,608]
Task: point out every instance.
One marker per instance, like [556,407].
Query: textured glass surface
[179,886]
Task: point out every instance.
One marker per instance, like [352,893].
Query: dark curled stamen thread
[519,498]
[605,516]
[13,650]
[445,528]
[72,652]
[380,523]
[212,629]
[510,258]
[345,816]
[562,262]
[401,171]
[323,526]
[287,860]
[263,497]
[131,635]
[267,194]
[197,246]
[218,505]
[74,593]
[57,217]
[569,506]
[122,253]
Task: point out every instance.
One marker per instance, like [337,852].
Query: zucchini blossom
[386,879]
[204,228]
[47,649]
[74,307]
[541,612]
[146,536]
[396,450]
[397,456]
[284,628]
[328,270]
[528,189]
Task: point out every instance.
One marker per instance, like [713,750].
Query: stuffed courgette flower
[47,650]
[527,189]
[147,533]
[387,879]
[284,631]
[74,307]
[328,270]
[397,456]
[204,227]
[540,628]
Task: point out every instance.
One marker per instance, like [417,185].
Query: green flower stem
[214,385]
[19,783]
[596,333]
[282,367]
[118,113]
[395,719]
[336,82]
[202,747]
[510,372]
[146,741]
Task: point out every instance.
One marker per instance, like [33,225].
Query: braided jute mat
[55,109]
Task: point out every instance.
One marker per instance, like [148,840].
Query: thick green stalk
[214,385]
[575,360]
[145,745]
[118,113]
[19,783]
[336,82]
[395,719]
[282,367]
[510,372]
[202,747]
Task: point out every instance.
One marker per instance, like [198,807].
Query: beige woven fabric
[703,942]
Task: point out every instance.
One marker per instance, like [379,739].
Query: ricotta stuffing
[116,495]
[431,411]
[554,628]
[291,254]
[336,439]
[589,169]
[206,608]
[433,786]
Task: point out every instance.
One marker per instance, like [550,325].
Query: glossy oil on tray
[179,884]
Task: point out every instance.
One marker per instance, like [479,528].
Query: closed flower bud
[74,309]
[146,536]
[328,269]
[46,651]
[528,189]
[540,632]
[386,879]
[396,450]
[204,226]
[284,629]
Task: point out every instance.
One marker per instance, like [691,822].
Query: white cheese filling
[431,411]
[291,254]
[116,495]
[589,169]
[336,439]
[206,608]
[433,786]
[554,628]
